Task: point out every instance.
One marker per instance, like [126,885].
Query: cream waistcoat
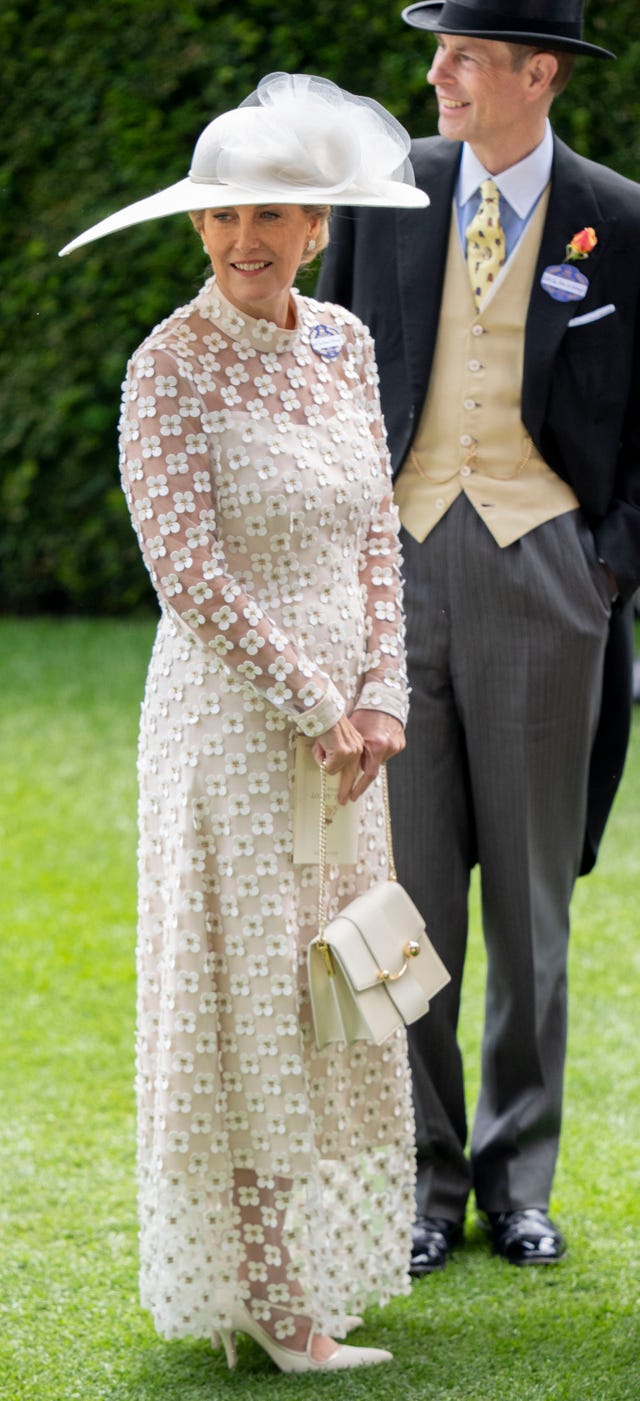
[470,437]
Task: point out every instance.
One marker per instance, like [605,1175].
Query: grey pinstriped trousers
[505,651]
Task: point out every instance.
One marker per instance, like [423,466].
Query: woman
[276,1181]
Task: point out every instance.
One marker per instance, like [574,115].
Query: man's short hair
[521,52]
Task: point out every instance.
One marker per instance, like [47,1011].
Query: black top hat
[553,24]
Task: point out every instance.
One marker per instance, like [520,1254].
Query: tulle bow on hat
[296,140]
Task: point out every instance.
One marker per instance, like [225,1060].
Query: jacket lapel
[422,239]
[572,206]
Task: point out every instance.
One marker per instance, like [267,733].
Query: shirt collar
[521,185]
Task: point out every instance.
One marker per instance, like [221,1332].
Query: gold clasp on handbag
[410,950]
[323,948]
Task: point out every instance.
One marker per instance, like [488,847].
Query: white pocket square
[596,315]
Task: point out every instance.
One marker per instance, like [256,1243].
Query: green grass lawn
[70,1323]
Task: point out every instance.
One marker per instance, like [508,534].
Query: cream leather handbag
[371,968]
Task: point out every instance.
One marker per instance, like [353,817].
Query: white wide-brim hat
[295,140]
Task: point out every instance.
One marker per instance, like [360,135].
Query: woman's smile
[259,247]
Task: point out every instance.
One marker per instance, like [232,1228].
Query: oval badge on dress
[564,283]
[326,341]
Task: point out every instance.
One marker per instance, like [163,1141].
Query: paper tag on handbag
[343,823]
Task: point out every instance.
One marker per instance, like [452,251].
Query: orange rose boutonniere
[582,244]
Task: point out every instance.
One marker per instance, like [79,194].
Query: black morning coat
[581,385]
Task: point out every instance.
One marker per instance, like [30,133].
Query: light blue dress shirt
[520,189]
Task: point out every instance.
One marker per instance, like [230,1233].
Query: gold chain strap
[322,861]
[322,854]
[393,874]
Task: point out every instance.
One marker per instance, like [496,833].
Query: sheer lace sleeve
[385,685]
[166,467]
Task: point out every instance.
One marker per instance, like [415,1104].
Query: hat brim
[190,194]
[427,16]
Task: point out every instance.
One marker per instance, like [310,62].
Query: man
[506,328]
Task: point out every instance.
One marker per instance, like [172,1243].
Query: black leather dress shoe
[433,1238]
[525,1237]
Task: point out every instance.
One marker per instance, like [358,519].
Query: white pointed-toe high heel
[287,1360]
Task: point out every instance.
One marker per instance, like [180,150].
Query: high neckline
[261,333]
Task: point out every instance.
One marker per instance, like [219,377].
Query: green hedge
[102,104]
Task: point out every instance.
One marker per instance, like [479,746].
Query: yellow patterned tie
[486,247]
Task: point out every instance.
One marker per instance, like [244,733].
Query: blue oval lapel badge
[564,283]
[326,341]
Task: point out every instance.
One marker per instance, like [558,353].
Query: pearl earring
[311,245]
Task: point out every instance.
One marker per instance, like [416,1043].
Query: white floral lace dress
[257,476]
